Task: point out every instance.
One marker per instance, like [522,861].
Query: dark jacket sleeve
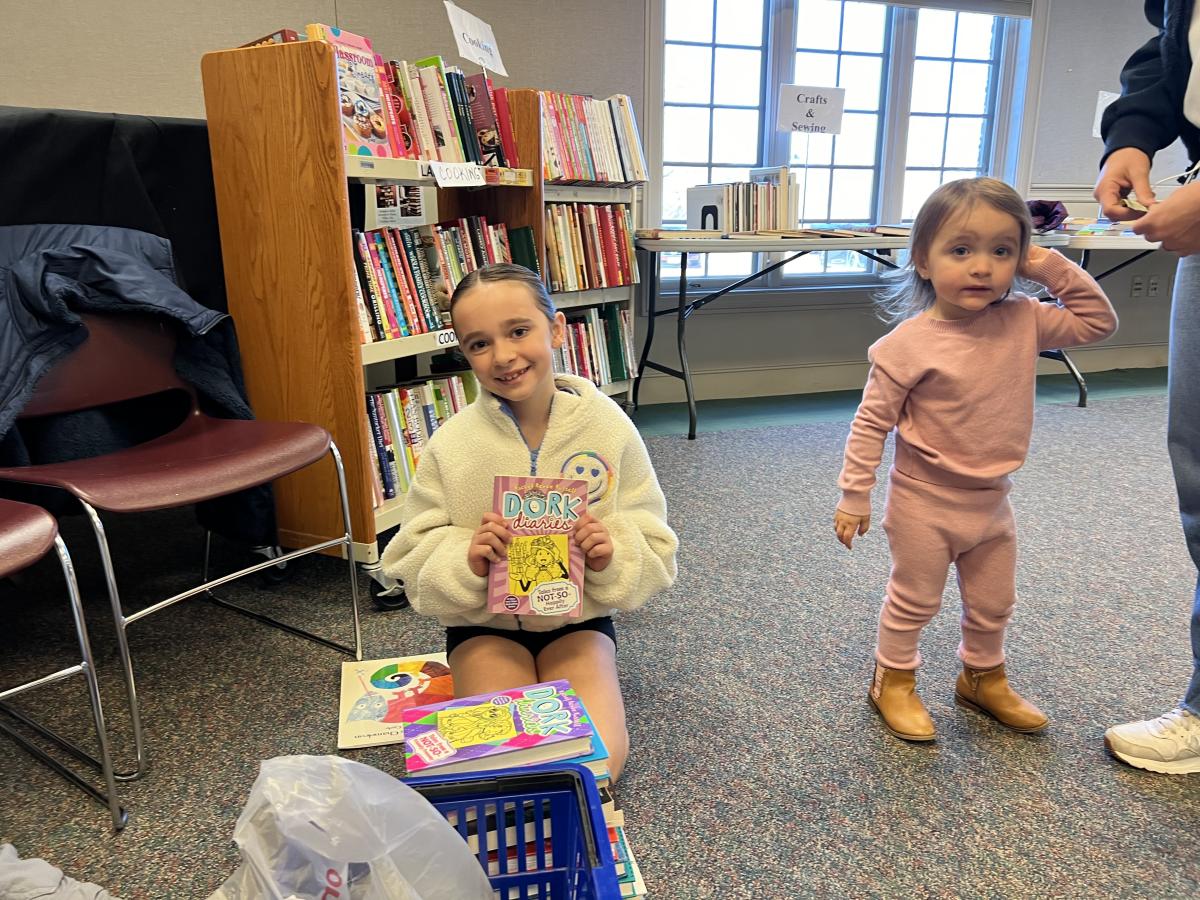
[1146,115]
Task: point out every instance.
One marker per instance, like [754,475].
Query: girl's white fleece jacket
[589,437]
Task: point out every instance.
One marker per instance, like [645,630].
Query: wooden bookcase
[285,190]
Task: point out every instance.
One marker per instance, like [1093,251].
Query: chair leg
[345,541]
[119,816]
[87,668]
[121,623]
[345,497]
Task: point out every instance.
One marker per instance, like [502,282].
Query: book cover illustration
[360,94]
[538,723]
[543,574]
[376,692]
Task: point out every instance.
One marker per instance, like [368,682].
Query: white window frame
[1017,84]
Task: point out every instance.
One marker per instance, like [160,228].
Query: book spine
[385,301]
[410,277]
[424,245]
[362,266]
[402,280]
[410,84]
[393,287]
[504,123]
[483,115]
[456,84]
[389,486]
[420,275]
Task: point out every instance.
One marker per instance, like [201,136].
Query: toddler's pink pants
[930,526]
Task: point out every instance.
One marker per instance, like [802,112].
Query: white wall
[139,56]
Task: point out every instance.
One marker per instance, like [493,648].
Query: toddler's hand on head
[846,526]
[489,544]
[1035,257]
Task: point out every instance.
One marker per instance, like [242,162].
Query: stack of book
[590,141]
[589,245]
[398,270]
[526,726]
[599,345]
[402,418]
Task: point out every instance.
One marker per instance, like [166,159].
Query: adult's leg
[588,659]
[487,663]
[1183,431]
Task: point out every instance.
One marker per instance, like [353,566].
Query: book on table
[375,693]
[542,573]
[524,726]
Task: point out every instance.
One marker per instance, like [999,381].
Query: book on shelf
[588,140]
[589,245]
[523,726]
[360,94]
[598,345]
[542,573]
[375,692]
[281,36]
[482,101]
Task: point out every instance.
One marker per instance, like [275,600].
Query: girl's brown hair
[909,294]
[506,272]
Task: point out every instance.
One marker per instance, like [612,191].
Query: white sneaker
[1169,744]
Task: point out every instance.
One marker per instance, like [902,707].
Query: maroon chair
[129,356]
[26,535]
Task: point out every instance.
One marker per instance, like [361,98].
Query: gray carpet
[758,769]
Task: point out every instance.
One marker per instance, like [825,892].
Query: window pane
[730,264]
[955,175]
[864,27]
[818,25]
[855,146]
[670,265]
[970,93]
[860,78]
[964,143]
[917,186]
[931,85]
[808,264]
[686,74]
[851,197]
[812,149]
[925,136]
[740,22]
[735,136]
[845,261]
[935,33]
[676,181]
[816,69]
[974,36]
[689,20]
[737,77]
[814,194]
[685,134]
[728,174]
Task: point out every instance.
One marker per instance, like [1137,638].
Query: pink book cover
[360,94]
[543,572]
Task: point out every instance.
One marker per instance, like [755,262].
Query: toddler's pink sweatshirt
[960,393]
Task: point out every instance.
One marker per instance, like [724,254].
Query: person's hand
[1174,221]
[1033,258]
[489,544]
[594,540]
[847,526]
[1125,170]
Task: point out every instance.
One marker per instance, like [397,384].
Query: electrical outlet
[1137,286]
[1152,286]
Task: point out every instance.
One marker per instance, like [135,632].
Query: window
[922,107]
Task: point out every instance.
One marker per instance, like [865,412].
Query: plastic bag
[326,828]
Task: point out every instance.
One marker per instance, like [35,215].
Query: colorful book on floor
[520,727]
[543,573]
[375,693]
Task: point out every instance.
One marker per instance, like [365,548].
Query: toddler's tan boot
[894,695]
[988,691]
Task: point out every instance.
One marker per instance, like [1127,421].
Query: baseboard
[814,378]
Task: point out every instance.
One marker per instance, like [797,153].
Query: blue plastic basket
[544,829]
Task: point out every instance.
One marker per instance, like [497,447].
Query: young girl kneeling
[528,420]
[956,380]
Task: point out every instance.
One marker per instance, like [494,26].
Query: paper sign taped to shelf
[448,174]
[475,39]
[1103,98]
[811,110]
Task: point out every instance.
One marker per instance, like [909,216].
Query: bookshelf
[285,203]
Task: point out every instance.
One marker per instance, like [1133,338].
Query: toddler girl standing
[955,379]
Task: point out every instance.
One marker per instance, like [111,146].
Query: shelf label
[475,39]
[447,338]
[811,110]
[456,174]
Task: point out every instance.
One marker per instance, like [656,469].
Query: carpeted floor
[758,769]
